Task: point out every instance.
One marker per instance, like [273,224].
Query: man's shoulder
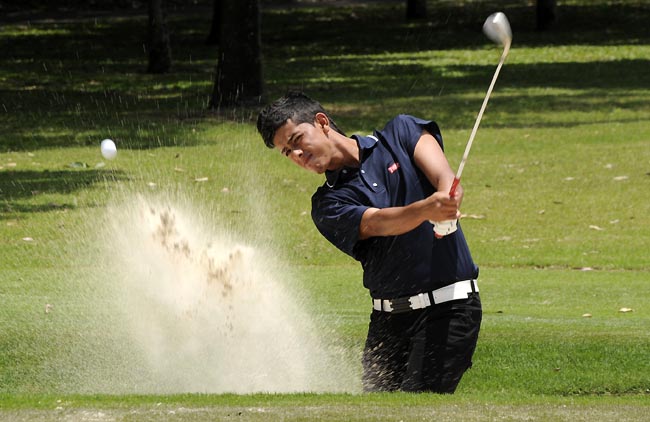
[405,121]
[408,128]
[326,192]
[401,119]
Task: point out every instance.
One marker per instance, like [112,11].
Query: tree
[160,55]
[215,27]
[416,9]
[546,15]
[238,78]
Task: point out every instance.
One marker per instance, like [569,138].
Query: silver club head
[497,28]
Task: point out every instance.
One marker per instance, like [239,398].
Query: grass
[307,407]
[556,211]
[321,407]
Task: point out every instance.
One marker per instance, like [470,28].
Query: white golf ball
[109,150]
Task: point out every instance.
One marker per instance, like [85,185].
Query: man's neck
[347,152]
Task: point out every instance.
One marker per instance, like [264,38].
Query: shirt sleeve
[338,217]
[407,130]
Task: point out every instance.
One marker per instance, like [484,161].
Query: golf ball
[109,150]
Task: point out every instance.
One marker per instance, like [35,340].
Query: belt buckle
[419,301]
[386,305]
[399,305]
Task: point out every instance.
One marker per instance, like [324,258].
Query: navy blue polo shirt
[393,266]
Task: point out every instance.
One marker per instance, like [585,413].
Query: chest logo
[393,168]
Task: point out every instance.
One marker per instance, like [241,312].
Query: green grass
[556,206]
[326,407]
[370,407]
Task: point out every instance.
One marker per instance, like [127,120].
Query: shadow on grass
[390,80]
[370,99]
[17,187]
[70,81]
[66,117]
[379,28]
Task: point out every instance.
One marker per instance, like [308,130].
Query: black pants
[424,350]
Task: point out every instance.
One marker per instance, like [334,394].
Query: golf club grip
[454,185]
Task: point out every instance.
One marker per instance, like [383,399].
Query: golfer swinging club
[383,197]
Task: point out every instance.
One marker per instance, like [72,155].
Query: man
[382,193]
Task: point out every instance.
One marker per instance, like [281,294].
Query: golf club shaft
[454,185]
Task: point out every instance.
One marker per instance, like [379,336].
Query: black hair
[295,106]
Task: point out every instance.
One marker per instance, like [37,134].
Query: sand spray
[194,310]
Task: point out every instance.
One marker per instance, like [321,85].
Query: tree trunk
[160,53]
[239,69]
[546,14]
[215,27]
[416,9]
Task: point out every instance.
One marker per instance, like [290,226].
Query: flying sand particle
[207,314]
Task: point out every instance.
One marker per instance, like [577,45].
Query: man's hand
[448,207]
[443,228]
[441,207]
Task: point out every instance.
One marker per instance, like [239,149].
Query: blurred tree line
[235,30]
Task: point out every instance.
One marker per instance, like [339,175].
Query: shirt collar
[331,177]
[365,143]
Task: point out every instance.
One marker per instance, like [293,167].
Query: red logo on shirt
[393,168]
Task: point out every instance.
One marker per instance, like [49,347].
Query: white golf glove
[443,228]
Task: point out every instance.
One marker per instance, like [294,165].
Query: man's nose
[296,153]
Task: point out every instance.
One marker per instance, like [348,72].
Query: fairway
[184,280]
[372,407]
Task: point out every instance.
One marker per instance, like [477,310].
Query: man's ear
[321,120]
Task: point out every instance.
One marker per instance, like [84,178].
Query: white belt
[456,291]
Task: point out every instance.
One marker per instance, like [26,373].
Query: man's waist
[456,291]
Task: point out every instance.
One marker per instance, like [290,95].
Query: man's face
[306,144]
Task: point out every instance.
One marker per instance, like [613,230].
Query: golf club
[497,28]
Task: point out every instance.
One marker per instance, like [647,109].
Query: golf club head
[497,28]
